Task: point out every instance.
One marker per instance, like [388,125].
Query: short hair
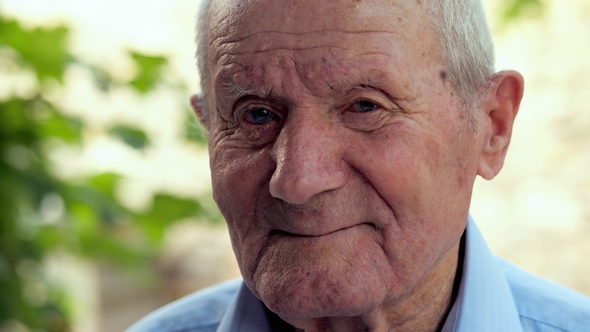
[466,46]
[463,35]
[202,54]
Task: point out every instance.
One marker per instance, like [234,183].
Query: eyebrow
[238,90]
[365,82]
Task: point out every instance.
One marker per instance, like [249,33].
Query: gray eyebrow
[366,81]
[240,90]
[237,91]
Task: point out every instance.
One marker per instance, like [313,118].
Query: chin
[322,279]
[321,297]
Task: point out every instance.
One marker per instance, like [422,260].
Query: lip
[319,234]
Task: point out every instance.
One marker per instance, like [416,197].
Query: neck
[424,309]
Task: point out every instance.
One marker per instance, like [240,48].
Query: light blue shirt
[494,296]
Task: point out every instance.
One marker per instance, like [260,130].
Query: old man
[345,137]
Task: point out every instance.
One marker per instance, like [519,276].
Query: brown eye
[260,116]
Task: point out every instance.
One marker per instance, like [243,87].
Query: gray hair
[202,55]
[466,46]
[464,38]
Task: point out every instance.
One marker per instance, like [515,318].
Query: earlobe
[197,105]
[501,107]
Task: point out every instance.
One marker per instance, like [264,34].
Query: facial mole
[443,75]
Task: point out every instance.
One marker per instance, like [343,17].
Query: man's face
[341,157]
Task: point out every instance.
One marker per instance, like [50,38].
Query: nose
[308,154]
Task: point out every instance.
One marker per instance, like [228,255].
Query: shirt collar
[484,302]
[244,314]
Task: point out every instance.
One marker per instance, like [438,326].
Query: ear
[197,105]
[501,107]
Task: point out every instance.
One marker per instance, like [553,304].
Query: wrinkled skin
[342,159]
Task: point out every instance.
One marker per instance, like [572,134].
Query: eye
[260,116]
[364,106]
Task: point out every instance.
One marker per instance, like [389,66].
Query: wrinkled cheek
[238,181]
[233,176]
[234,202]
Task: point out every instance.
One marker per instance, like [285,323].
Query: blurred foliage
[41,214]
[513,10]
[42,49]
[132,136]
[149,70]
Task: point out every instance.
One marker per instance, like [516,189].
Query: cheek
[397,164]
[239,177]
[416,174]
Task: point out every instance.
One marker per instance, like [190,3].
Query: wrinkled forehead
[338,42]
[235,19]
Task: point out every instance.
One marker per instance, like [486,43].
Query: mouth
[319,234]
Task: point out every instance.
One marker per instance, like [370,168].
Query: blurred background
[105,208]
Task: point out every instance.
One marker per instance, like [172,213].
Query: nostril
[290,190]
[296,181]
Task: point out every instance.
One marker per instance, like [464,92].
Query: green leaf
[165,211]
[45,49]
[105,183]
[166,208]
[149,70]
[66,128]
[133,137]
[16,126]
[515,9]
[84,218]
[93,205]
[27,121]
[51,237]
